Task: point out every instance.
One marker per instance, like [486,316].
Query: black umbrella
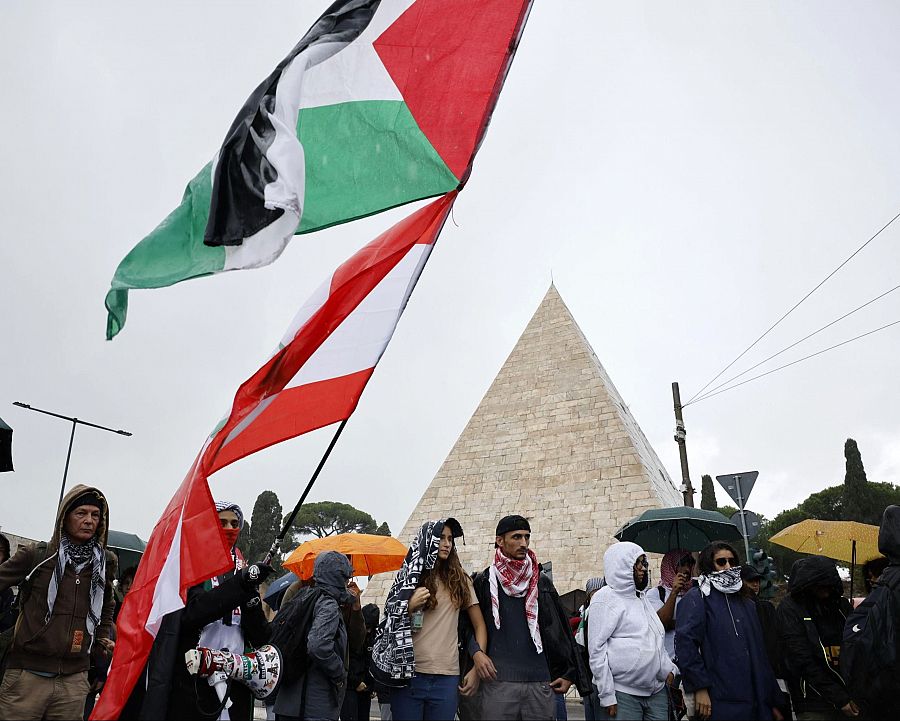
[664,529]
[6,463]
[277,589]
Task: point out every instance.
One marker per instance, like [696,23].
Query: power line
[796,343]
[795,306]
[799,360]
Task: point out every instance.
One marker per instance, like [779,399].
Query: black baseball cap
[512,523]
[749,573]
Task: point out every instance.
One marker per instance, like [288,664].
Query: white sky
[685,175]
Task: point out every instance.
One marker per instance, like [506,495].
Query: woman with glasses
[719,644]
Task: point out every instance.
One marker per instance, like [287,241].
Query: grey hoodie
[626,639]
[326,645]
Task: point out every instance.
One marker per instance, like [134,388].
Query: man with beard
[65,611]
[529,640]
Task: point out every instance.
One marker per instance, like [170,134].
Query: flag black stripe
[237,208]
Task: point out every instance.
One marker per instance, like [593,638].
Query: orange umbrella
[368,554]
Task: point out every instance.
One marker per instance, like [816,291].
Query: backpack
[7,637]
[290,630]
[869,656]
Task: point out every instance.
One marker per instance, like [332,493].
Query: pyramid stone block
[551,440]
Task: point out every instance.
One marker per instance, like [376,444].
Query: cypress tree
[708,494]
[855,483]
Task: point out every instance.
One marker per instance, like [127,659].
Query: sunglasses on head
[729,561]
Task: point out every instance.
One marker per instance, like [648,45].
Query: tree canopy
[326,518]
[708,494]
[858,499]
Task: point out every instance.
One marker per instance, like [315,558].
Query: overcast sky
[685,176]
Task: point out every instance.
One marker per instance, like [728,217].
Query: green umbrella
[663,529]
[128,547]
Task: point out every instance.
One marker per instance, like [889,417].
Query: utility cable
[799,360]
[795,306]
[796,343]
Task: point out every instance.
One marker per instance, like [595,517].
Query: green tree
[265,524]
[244,540]
[326,518]
[857,499]
[383,530]
[855,482]
[708,494]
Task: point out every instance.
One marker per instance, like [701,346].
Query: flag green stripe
[361,158]
[173,252]
[364,157]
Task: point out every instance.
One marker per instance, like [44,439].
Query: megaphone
[260,670]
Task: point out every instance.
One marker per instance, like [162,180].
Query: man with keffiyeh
[529,640]
[66,608]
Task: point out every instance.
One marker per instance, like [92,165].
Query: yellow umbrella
[369,554]
[846,541]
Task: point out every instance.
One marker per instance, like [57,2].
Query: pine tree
[708,494]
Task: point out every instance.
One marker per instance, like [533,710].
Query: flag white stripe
[356,73]
[358,343]
[167,592]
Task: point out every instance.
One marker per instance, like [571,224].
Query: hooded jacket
[812,670]
[626,639]
[319,693]
[62,644]
[720,647]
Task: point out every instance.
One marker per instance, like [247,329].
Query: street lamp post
[74,422]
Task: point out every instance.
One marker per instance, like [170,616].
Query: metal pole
[276,544]
[680,437]
[74,421]
[62,491]
[737,485]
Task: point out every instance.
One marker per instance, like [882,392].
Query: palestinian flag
[331,348]
[381,103]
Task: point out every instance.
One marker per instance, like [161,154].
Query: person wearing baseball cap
[529,641]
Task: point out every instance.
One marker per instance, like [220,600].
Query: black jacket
[563,657]
[814,683]
[171,692]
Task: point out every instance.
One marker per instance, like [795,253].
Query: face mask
[231,536]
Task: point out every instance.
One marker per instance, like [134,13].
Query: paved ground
[573,707]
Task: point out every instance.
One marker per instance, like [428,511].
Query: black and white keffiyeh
[728,581]
[392,652]
[78,556]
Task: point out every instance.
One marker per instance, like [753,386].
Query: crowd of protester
[496,644]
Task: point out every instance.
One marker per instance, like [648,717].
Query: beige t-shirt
[435,644]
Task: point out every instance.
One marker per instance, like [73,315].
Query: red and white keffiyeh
[518,578]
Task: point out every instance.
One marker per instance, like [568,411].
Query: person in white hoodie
[626,640]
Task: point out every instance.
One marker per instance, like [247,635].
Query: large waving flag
[315,378]
[336,339]
[185,548]
[381,103]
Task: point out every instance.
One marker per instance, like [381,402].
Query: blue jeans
[639,708]
[428,697]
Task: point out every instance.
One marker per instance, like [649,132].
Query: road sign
[730,483]
[752,521]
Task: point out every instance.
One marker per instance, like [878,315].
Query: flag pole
[276,544]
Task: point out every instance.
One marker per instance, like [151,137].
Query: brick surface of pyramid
[552,440]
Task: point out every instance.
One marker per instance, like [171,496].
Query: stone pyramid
[551,440]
